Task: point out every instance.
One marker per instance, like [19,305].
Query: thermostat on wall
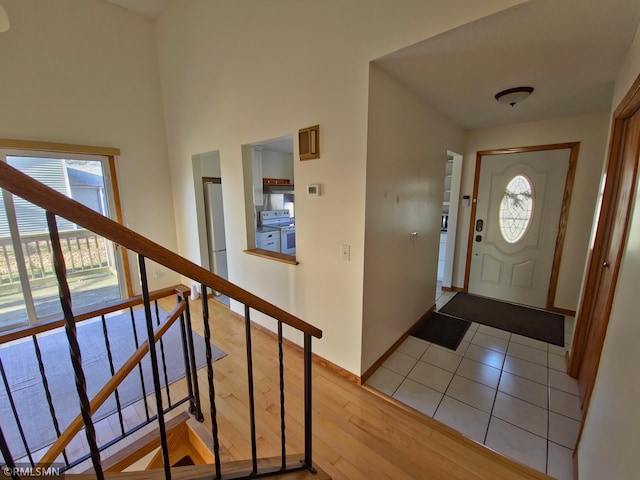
[313,190]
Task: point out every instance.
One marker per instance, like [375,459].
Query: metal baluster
[187,363]
[154,367]
[164,362]
[15,413]
[308,411]
[252,410]
[74,348]
[8,458]
[135,338]
[212,390]
[281,363]
[47,392]
[107,344]
[194,365]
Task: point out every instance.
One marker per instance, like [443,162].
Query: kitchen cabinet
[268,240]
[276,181]
[256,169]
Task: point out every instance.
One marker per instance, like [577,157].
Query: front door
[519,203]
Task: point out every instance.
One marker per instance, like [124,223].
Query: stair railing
[180,314]
[56,204]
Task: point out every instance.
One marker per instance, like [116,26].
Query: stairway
[190,457]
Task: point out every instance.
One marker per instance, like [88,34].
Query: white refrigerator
[215,228]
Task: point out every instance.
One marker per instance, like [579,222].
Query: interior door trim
[574,148]
[627,108]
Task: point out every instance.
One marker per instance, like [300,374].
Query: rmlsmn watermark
[27,470]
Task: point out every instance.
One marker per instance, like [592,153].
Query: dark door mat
[443,330]
[528,322]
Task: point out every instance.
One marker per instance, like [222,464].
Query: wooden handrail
[105,392]
[39,194]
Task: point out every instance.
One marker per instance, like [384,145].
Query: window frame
[10,147]
[523,231]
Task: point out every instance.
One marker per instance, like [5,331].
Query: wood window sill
[278,257]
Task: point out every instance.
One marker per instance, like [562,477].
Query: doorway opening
[607,245]
[449,221]
[210,212]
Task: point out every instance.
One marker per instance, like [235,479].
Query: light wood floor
[357,434]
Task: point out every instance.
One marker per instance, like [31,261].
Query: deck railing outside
[82,250]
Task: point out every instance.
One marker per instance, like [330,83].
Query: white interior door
[517,215]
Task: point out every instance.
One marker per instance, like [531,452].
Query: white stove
[282,221]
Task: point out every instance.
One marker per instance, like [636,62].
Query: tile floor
[509,392]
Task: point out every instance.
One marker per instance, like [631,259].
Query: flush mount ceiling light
[513,95]
[4,20]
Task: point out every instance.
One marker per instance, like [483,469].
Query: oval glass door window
[516,209]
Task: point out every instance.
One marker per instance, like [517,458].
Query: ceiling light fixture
[513,95]
[4,20]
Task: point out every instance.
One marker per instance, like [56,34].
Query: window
[516,209]
[28,291]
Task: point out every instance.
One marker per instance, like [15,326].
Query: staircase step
[230,469]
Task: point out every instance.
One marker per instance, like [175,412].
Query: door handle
[479,225]
[605,264]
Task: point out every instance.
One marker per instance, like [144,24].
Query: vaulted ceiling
[569,51]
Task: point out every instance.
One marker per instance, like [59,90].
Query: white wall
[85,72]
[277,165]
[406,159]
[591,132]
[609,444]
[235,72]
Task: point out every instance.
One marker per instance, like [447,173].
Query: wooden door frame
[625,110]
[574,148]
